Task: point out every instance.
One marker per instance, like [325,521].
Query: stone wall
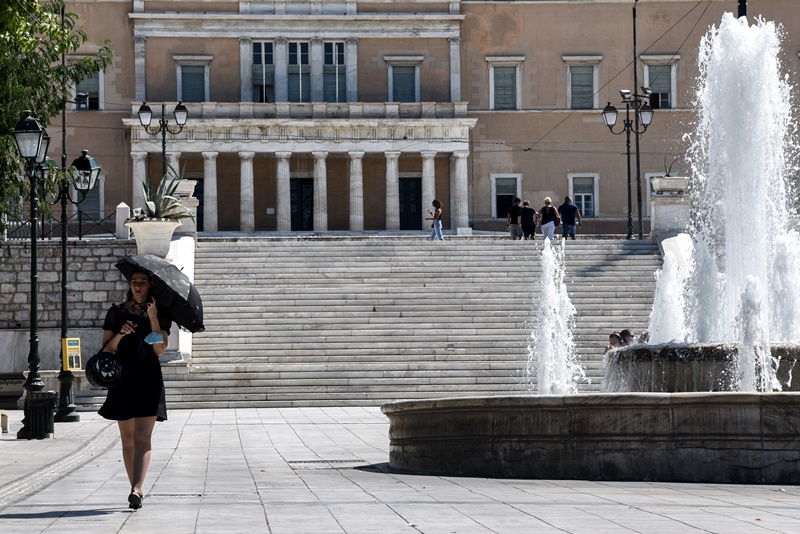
[93,283]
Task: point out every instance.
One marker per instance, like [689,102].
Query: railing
[322,110]
[79,225]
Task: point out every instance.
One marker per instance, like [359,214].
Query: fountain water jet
[729,436]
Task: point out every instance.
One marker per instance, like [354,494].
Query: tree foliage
[33,37]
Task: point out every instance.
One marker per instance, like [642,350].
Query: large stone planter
[153,236]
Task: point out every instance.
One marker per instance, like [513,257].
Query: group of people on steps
[522,220]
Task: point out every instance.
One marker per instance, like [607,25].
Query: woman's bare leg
[126,433]
[143,430]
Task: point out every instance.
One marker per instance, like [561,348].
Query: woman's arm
[155,327]
[111,339]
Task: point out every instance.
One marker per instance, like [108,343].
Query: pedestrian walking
[512,224]
[137,331]
[548,215]
[570,217]
[436,218]
[527,220]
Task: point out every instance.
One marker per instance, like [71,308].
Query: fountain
[708,401]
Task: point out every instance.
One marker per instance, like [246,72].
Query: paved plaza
[307,470]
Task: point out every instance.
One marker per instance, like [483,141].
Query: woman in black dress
[137,331]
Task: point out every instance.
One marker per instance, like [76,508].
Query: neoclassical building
[308,115]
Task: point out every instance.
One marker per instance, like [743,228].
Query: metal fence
[79,225]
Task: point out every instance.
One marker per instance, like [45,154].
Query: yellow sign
[71,354]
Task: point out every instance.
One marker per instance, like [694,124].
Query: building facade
[351,115]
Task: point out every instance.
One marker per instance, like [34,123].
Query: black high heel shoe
[135,500]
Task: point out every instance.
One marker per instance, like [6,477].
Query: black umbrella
[173,289]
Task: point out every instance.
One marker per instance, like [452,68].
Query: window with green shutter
[263,72]
[334,73]
[660,81]
[404,83]
[299,73]
[505,190]
[193,83]
[505,88]
[581,86]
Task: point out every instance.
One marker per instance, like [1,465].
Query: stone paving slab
[325,470]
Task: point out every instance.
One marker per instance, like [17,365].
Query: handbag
[104,370]
[557,220]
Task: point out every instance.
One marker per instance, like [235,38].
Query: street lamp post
[84,175]
[644,115]
[32,142]
[180,113]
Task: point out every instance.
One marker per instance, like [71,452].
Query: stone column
[139,178]
[392,190]
[246,68]
[351,64]
[455,69]
[356,191]
[461,193]
[284,208]
[139,66]
[428,183]
[317,60]
[320,192]
[281,69]
[451,215]
[210,200]
[246,194]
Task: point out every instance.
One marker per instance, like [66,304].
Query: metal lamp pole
[32,142]
[180,113]
[86,171]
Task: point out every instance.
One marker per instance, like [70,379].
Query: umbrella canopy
[172,289]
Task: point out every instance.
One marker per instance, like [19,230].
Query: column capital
[454,39]
[316,41]
[351,40]
[139,39]
[428,154]
[283,155]
[460,154]
[356,154]
[320,155]
[392,154]
[247,155]
[210,155]
[138,156]
[281,40]
[245,40]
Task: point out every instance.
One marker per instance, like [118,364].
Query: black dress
[140,393]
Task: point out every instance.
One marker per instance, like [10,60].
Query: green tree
[33,38]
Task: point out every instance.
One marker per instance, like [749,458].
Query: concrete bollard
[123,214]
[4,422]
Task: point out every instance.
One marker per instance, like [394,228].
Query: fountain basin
[675,367]
[685,437]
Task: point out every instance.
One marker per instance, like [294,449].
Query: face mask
[153,338]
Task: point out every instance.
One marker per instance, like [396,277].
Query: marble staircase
[346,321]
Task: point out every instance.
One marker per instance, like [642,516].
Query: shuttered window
[660,81]
[334,73]
[263,72]
[581,86]
[505,88]
[299,73]
[404,84]
[193,83]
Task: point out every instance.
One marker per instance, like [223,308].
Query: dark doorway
[198,194]
[302,193]
[411,203]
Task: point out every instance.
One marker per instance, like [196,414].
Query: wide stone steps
[299,322]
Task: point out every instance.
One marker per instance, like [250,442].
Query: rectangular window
[193,83]
[660,83]
[404,83]
[505,88]
[334,73]
[299,73]
[87,93]
[583,194]
[505,189]
[263,72]
[581,86]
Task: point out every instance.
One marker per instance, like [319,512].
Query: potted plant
[154,224]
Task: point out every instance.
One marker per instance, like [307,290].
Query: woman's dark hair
[436,204]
